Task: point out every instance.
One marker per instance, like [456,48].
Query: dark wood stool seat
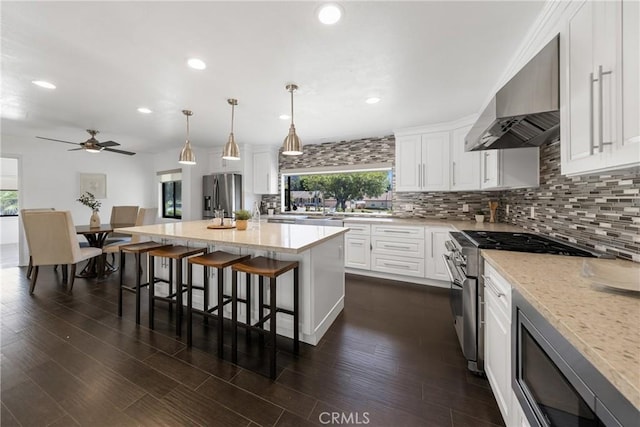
[137,249]
[218,260]
[176,254]
[271,268]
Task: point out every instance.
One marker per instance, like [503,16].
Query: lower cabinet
[497,345]
[413,251]
[435,267]
[357,243]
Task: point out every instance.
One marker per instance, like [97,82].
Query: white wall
[49,177]
[9,229]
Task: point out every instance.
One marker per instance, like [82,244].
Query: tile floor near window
[390,359]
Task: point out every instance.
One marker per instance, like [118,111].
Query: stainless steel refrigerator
[222,191]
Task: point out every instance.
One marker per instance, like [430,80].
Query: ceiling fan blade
[128,153]
[75,149]
[108,144]
[58,140]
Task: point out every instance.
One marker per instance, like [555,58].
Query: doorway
[9,209]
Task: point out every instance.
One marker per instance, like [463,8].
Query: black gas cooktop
[523,242]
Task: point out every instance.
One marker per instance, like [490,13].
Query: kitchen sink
[308,220]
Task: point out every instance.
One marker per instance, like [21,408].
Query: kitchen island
[319,250]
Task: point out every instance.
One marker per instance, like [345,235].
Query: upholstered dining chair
[30,266]
[52,240]
[146,216]
[122,216]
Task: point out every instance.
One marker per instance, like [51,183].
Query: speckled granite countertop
[604,326]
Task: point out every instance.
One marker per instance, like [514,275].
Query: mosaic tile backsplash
[599,211]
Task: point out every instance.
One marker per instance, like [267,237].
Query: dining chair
[52,240]
[123,216]
[30,266]
[146,216]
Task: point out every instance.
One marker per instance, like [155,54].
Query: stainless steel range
[466,270]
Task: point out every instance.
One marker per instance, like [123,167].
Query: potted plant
[479,215]
[89,200]
[242,218]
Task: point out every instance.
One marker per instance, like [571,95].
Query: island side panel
[327,285]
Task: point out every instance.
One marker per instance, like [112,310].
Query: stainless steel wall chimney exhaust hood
[525,112]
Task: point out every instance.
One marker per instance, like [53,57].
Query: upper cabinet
[422,162]
[219,165]
[465,165]
[433,159]
[265,171]
[510,168]
[600,85]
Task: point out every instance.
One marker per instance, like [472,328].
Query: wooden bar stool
[137,249]
[271,268]
[177,254]
[218,260]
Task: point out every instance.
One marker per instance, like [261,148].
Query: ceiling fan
[92,145]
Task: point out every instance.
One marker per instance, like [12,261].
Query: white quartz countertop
[457,224]
[288,238]
[603,325]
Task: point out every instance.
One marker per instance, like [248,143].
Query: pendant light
[292,145]
[186,155]
[231,150]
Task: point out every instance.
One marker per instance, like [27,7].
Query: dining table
[96,237]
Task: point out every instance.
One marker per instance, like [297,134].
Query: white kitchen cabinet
[435,267]
[510,168]
[465,165]
[600,82]
[219,165]
[398,249]
[265,171]
[357,241]
[422,162]
[497,330]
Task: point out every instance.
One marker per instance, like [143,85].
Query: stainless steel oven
[554,383]
[465,267]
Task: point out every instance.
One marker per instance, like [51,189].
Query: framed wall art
[94,183]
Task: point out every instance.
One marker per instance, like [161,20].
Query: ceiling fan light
[186,155]
[93,150]
[231,150]
[292,146]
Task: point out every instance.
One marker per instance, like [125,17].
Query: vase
[241,224]
[95,220]
[479,218]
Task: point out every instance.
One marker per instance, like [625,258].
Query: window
[170,193]
[8,202]
[364,191]
[172,199]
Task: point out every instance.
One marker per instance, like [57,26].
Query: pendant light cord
[232,111]
[291,105]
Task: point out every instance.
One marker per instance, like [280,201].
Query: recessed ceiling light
[144,110]
[329,14]
[284,117]
[197,64]
[373,100]
[44,84]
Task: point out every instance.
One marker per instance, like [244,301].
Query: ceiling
[429,62]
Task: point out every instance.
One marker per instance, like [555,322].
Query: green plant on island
[242,214]
[479,212]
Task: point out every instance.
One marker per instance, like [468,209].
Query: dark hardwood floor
[390,359]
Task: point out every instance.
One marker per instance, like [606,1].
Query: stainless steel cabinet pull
[453,173]
[591,82]
[486,156]
[601,142]
[396,231]
[356,243]
[419,175]
[397,247]
[489,284]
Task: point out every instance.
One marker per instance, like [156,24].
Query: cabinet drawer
[398,246]
[398,231]
[358,229]
[499,288]
[398,265]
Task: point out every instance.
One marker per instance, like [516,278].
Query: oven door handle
[450,267]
